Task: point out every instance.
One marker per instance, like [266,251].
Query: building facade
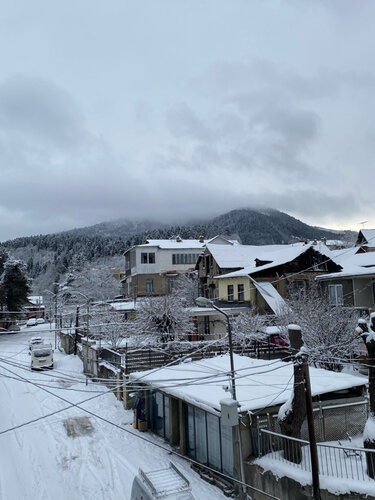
[152,268]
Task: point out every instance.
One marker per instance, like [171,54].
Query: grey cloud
[183,122]
[40,111]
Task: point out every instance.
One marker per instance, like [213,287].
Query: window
[170,284]
[149,286]
[200,436]
[184,258]
[148,258]
[230,292]
[208,441]
[206,325]
[160,414]
[241,292]
[335,295]
[151,258]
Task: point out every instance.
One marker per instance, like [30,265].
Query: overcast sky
[170,109]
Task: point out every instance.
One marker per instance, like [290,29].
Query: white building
[152,268]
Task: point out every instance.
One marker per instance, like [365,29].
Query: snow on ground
[339,472]
[65,456]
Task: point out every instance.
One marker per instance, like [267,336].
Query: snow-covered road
[46,459]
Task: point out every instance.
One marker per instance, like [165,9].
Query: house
[35,307]
[273,274]
[187,412]
[152,268]
[366,240]
[354,284]
[223,256]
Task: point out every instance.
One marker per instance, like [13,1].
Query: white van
[167,484]
[42,357]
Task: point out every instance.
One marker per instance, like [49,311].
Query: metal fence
[331,422]
[334,460]
[147,358]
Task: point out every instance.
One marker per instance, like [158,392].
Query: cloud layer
[184,127]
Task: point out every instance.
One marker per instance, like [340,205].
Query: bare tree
[187,287]
[247,327]
[164,318]
[327,330]
[108,325]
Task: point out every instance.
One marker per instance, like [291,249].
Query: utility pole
[76,331]
[310,425]
[301,407]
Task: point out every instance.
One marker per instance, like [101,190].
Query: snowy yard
[70,454]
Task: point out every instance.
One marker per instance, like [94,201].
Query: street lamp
[50,323]
[204,302]
[88,300]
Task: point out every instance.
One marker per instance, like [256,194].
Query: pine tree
[14,285]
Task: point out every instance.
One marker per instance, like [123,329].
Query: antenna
[363,223]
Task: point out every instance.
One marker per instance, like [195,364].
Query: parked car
[167,484]
[278,340]
[14,329]
[40,321]
[42,357]
[34,341]
[31,322]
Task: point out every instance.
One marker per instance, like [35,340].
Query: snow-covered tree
[108,325]
[14,285]
[327,330]
[366,330]
[247,327]
[187,287]
[3,258]
[96,282]
[164,318]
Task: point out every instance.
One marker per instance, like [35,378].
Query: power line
[170,451]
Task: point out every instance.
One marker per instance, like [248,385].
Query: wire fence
[334,460]
[331,421]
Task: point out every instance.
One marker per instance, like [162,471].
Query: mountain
[49,257]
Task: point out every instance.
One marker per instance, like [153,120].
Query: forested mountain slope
[49,257]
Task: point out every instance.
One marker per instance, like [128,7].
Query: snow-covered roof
[123,306]
[369,235]
[271,296]
[231,256]
[279,255]
[222,240]
[210,311]
[350,272]
[173,244]
[353,264]
[36,300]
[256,385]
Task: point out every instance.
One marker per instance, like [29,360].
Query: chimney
[178,239]
[324,241]
[315,242]
[201,239]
